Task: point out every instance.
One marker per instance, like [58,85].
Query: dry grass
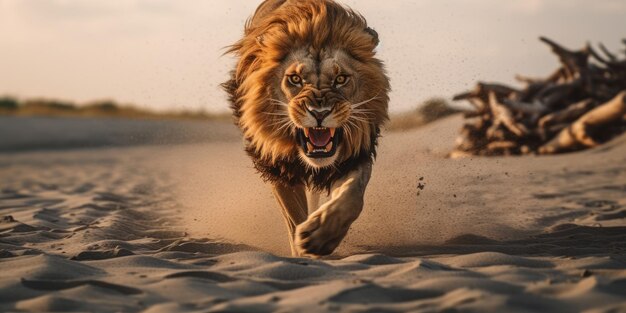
[45,107]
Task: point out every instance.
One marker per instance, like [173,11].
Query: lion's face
[308,84]
[324,98]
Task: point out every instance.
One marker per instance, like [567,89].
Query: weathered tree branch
[556,114]
[502,114]
[580,133]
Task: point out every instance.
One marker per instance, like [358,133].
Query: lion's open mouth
[319,142]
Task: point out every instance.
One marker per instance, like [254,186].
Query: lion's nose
[318,114]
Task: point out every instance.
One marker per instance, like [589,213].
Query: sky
[167,55]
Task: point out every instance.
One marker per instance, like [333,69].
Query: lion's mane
[278,27]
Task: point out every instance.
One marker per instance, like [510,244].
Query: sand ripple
[102,231]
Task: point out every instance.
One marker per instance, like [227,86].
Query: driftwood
[580,105]
[582,133]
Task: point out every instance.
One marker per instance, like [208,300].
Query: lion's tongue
[319,137]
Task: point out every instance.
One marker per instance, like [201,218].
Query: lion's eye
[341,80]
[295,80]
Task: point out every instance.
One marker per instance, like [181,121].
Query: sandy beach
[184,224]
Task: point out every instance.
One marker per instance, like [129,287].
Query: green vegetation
[431,110]
[46,107]
[8,104]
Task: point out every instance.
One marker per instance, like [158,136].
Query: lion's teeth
[309,146]
[332,132]
[329,146]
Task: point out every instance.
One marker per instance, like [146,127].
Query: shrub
[8,103]
[434,109]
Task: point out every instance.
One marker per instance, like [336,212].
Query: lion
[310,97]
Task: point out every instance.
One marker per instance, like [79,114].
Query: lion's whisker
[286,122]
[346,130]
[282,124]
[277,114]
[286,126]
[357,113]
[359,118]
[356,105]
[363,110]
[280,121]
[280,127]
[362,118]
[279,102]
[355,125]
[349,131]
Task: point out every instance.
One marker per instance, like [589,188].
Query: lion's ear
[374,35]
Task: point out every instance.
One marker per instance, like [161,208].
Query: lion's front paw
[321,233]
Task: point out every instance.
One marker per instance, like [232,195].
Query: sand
[19,134]
[191,228]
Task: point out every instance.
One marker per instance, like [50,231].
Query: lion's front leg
[293,202]
[324,229]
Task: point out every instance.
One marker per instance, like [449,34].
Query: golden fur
[280,29]
[308,67]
